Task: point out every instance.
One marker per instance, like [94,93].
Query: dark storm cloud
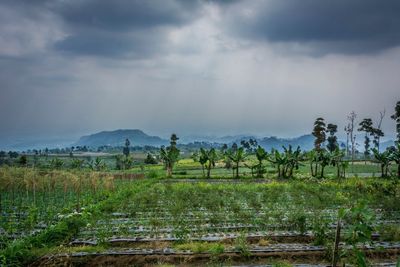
[111,44]
[356,26]
[79,66]
[123,15]
[110,28]
[121,27]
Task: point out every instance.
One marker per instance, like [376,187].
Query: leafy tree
[332,139]
[126,151]
[203,157]
[150,159]
[245,144]
[224,147]
[396,118]
[234,146]
[319,133]
[123,162]
[366,126]
[23,160]
[253,143]
[170,154]
[13,154]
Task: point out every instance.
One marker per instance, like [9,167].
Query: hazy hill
[117,138]
[139,138]
[306,142]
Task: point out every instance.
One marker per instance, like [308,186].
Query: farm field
[54,217]
[205,133]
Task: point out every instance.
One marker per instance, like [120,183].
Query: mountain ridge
[117,138]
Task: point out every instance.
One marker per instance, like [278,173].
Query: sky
[201,67]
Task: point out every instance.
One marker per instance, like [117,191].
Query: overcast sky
[72,67]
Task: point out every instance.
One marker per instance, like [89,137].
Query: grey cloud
[121,28]
[109,44]
[356,26]
[122,15]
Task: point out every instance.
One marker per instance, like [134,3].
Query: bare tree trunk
[398,169]
[312,168]
[335,258]
[381,116]
[338,170]
[169,171]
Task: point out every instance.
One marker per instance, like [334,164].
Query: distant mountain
[21,145]
[117,138]
[385,145]
[139,138]
[228,139]
[306,142]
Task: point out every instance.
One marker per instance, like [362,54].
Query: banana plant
[338,162]
[293,158]
[169,156]
[395,156]
[279,160]
[318,159]
[203,157]
[77,163]
[212,158]
[287,161]
[237,156]
[99,164]
[384,159]
[324,158]
[258,168]
[313,160]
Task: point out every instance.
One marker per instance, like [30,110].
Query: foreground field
[75,218]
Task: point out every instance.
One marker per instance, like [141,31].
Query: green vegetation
[181,202]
